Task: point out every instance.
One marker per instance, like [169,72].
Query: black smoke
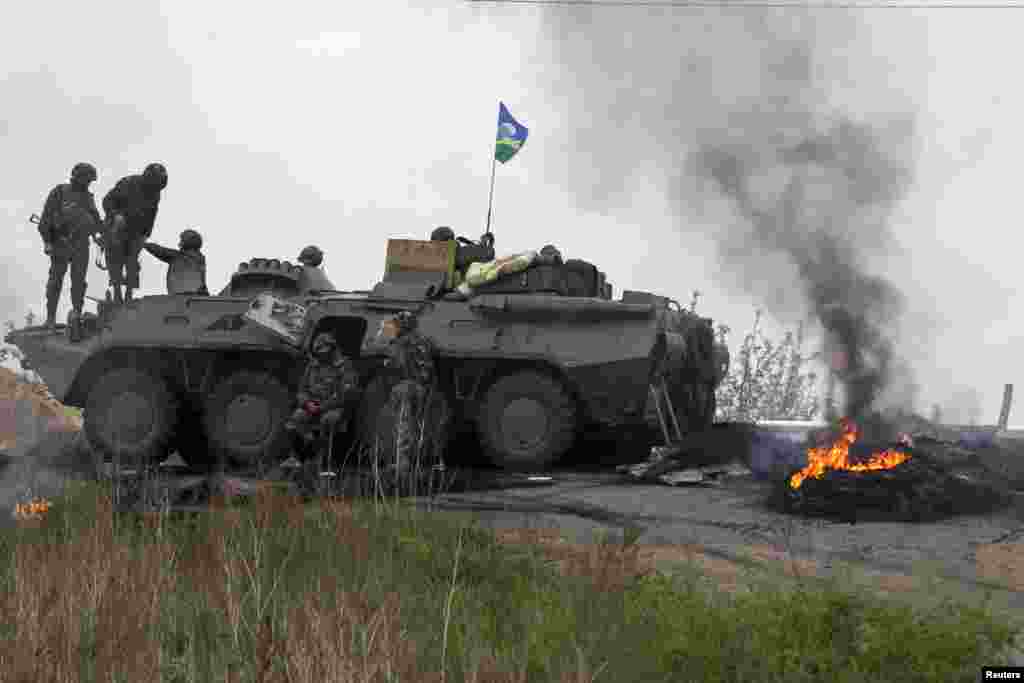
[782,144]
[827,212]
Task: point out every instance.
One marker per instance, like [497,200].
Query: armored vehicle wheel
[245,418]
[527,421]
[130,415]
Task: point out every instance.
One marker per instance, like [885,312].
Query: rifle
[100,263]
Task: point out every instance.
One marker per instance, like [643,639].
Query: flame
[34,509]
[836,456]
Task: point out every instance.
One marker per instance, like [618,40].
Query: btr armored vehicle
[528,361]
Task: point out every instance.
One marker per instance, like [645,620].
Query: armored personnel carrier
[533,359]
[183,372]
[528,361]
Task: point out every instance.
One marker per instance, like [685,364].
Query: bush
[768,379]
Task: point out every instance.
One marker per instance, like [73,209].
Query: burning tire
[527,421]
[245,418]
[130,415]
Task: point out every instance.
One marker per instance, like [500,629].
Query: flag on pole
[511,135]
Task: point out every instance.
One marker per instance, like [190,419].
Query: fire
[836,456]
[34,509]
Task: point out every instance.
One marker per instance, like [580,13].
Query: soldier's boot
[75,324]
[118,299]
[128,294]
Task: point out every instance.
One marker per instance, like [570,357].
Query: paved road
[732,521]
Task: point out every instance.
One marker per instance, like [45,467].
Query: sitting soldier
[326,388]
[186,265]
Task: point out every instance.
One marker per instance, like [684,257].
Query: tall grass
[349,590]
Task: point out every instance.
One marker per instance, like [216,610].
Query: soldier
[313,276]
[69,218]
[412,355]
[186,265]
[326,388]
[131,209]
[311,256]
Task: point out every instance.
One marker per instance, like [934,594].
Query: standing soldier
[412,355]
[130,210]
[327,386]
[69,218]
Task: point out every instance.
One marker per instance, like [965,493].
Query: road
[731,523]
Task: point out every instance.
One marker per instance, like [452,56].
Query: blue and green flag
[511,135]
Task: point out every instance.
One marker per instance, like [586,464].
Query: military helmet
[83,172]
[155,175]
[442,234]
[311,256]
[324,343]
[551,254]
[190,239]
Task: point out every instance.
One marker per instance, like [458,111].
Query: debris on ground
[20,383]
[705,458]
[946,461]
[920,488]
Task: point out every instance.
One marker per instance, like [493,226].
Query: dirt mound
[20,385]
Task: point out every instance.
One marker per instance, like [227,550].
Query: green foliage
[280,591]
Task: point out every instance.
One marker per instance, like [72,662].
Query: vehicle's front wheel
[528,421]
[245,418]
[130,415]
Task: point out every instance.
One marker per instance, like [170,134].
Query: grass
[356,590]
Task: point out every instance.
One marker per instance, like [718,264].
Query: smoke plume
[794,187]
[827,204]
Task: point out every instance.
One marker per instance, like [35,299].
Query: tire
[245,418]
[130,415]
[528,421]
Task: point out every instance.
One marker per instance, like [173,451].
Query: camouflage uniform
[186,265]
[69,218]
[416,393]
[327,386]
[131,208]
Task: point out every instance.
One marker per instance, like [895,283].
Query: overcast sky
[345,124]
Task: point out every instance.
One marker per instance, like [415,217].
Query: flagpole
[490,199]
